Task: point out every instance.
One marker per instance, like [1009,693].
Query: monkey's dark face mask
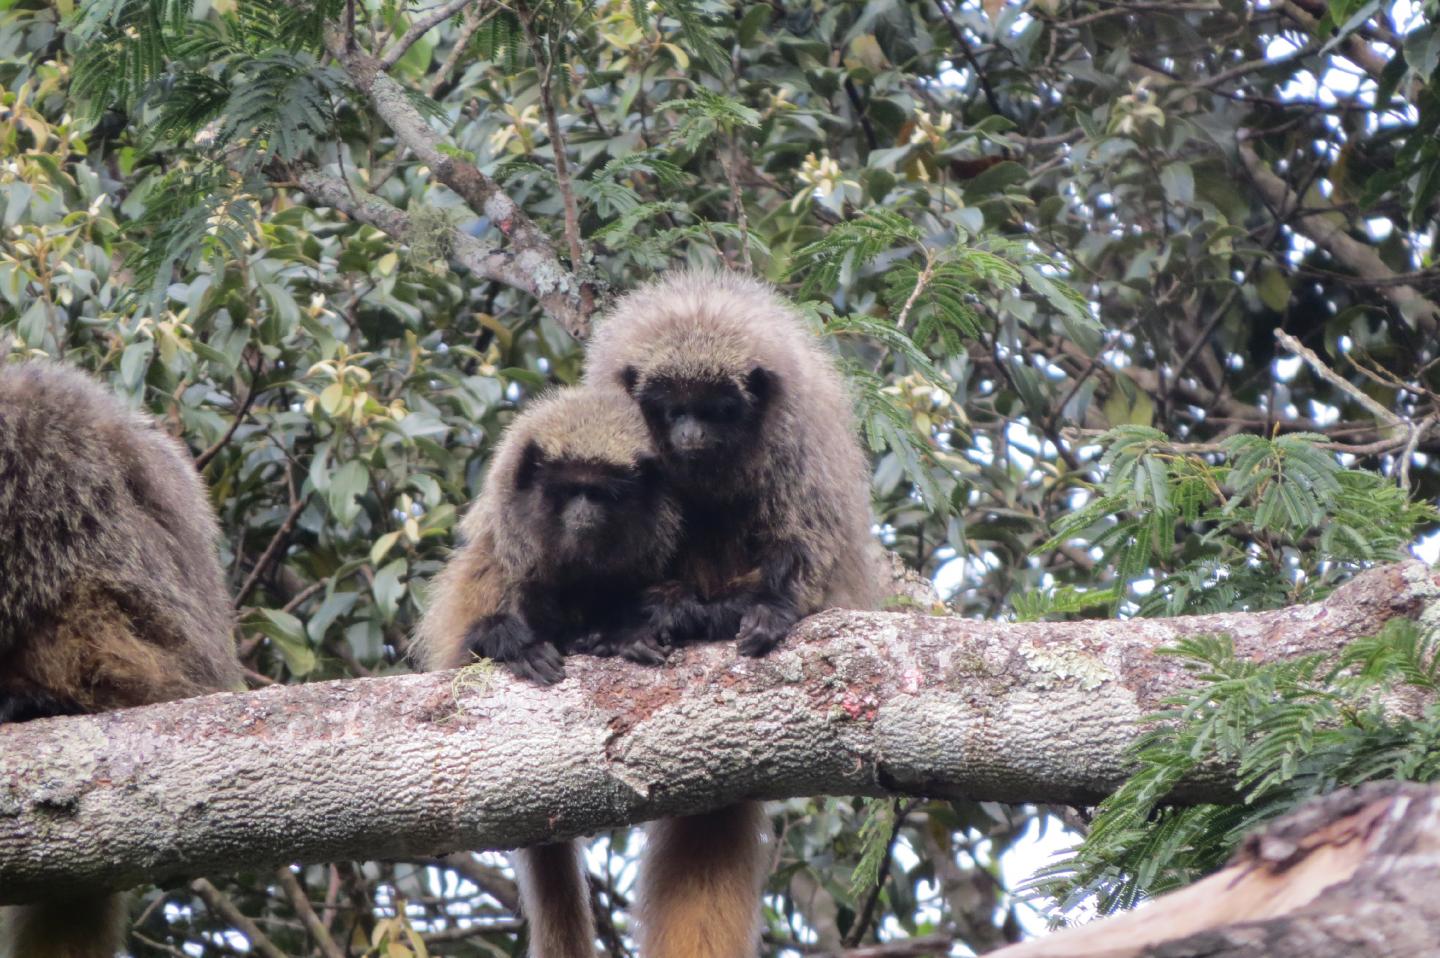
[701,426]
[592,514]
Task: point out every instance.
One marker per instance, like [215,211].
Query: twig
[419,28]
[921,282]
[969,56]
[203,460]
[291,886]
[737,202]
[225,909]
[471,23]
[1335,379]
[867,912]
[277,542]
[1332,237]
[546,65]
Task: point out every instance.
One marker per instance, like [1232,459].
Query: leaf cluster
[1291,731]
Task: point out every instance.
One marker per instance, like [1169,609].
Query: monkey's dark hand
[507,639]
[24,706]
[637,644]
[762,628]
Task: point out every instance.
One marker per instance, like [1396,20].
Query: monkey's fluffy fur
[505,552]
[806,479]
[800,489]
[502,550]
[110,589]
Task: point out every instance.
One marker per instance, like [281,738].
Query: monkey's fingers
[541,662]
[761,629]
[645,649]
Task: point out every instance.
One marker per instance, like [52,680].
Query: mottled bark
[419,765]
[1353,873]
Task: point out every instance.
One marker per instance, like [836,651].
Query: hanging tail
[698,893]
[555,896]
[90,927]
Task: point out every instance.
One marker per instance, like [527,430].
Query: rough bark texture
[419,765]
[1354,873]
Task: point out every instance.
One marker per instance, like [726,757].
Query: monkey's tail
[555,896]
[698,892]
[88,927]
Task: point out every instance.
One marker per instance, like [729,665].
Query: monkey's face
[701,426]
[595,514]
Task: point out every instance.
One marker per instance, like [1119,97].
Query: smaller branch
[546,66]
[277,542]
[867,911]
[969,55]
[1327,229]
[560,292]
[203,460]
[291,886]
[421,26]
[737,201]
[225,909]
[472,22]
[1335,379]
[530,270]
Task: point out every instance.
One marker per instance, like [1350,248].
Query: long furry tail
[698,892]
[92,927]
[555,896]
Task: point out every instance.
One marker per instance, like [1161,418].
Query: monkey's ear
[629,377]
[529,464]
[762,384]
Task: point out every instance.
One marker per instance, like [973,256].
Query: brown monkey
[755,433]
[572,524]
[110,590]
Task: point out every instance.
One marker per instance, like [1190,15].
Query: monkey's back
[111,591]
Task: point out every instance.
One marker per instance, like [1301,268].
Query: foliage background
[1023,224]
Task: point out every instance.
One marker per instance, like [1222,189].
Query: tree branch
[422,25]
[573,299]
[1352,873]
[417,765]
[533,271]
[1327,230]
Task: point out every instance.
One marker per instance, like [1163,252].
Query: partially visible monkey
[754,428]
[110,590]
[572,524]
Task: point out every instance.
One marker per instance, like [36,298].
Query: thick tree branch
[1327,229]
[482,194]
[418,765]
[1353,873]
[532,271]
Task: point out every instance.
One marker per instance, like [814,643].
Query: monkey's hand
[637,644]
[762,628]
[507,639]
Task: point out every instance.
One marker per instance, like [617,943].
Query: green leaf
[289,637]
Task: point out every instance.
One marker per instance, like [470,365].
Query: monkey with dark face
[110,590]
[572,523]
[753,426]
[571,526]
